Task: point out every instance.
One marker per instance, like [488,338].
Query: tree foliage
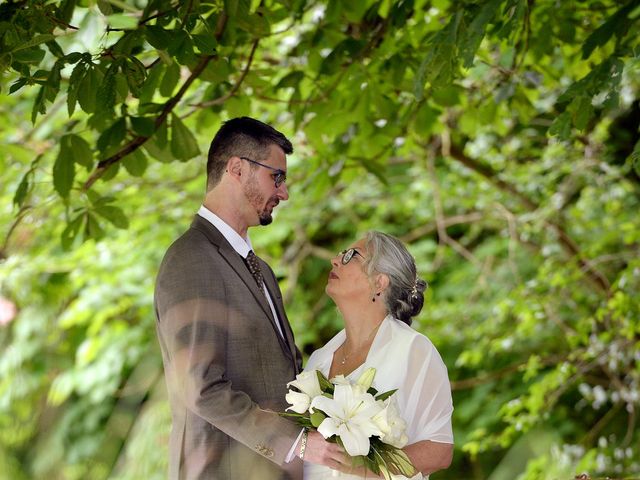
[498,138]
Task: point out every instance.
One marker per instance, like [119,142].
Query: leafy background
[498,138]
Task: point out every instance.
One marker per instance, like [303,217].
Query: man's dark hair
[242,137]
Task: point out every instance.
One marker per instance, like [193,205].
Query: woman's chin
[329,290]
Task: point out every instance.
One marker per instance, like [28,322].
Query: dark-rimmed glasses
[348,254]
[279,176]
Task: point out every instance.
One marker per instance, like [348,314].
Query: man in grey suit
[227,347]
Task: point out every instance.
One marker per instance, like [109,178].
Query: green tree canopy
[498,138]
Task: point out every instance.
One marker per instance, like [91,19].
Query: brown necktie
[254,268]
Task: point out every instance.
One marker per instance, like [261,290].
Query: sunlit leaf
[183,143]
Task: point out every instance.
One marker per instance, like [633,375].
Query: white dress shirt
[240,245]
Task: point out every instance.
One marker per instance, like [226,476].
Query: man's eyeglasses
[279,176]
[348,254]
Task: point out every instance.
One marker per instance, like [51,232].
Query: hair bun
[406,309]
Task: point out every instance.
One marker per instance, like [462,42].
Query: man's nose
[283,192]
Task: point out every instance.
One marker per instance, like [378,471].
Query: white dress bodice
[405,360]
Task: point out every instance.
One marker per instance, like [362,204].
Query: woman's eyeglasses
[348,254]
[279,176]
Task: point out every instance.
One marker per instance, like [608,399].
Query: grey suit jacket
[226,365]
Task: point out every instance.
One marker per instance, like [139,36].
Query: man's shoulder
[194,247]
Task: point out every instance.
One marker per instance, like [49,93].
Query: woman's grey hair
[404,296]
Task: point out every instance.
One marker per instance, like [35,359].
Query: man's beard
[256,199]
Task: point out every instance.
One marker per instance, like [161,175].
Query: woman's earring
[373,299]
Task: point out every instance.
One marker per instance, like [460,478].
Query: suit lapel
[276,297]
[237,263]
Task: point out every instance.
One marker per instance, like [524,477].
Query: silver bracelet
[303,443]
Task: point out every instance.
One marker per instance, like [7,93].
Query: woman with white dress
[375,286]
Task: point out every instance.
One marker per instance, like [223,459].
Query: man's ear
[234,167]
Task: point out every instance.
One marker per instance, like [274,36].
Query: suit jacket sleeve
[221,361]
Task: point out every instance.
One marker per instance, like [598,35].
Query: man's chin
[265,219]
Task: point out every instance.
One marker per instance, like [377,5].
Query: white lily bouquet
[353,414]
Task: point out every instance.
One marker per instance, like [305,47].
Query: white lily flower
[340,380]
[366,379]
[300,402]
[391,424]
[349,415]
[307,382]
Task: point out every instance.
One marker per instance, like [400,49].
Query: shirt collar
[239,244]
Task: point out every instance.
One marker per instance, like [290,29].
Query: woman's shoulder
[413,342]
[404,333]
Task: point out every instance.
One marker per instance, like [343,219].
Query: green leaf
[170,80]
[106,94]
[346,50]
[143,126]
[114,215]
[447,96]
[136,75]
[33,55]
[438,64]
[122,21]
[157,150]
[55,49]
[317,417]
[561,126]
[183,144]
[92,228]
[87,89]
[216,71]
[37,40]
[616,24]
[354,11]
[291,80]
[205,43]
[426,118]
[65,10]
[71,231]
[148,89]
[39,104]
[105,7]
[256,25]
[325,384]
[111,172]
[161,135]
[476,30]
[181,47]
[64,170]
[582,111]
[17,85]
[157,37]
[237,8]
[82,153]
[77,76]
[135,163]
[22,190]
[385,395]
[112,137]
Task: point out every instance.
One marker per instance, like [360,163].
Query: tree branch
[567,243]
[232,92]
[137,141]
